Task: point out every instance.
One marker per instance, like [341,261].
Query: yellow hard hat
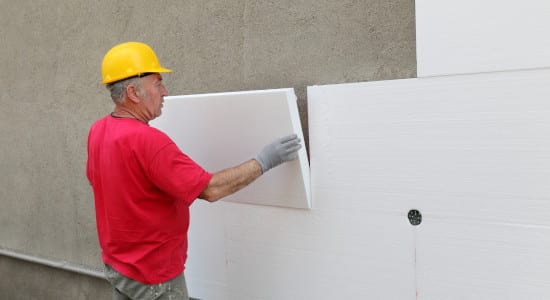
[128,60]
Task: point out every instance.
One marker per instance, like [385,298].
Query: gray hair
[118,89]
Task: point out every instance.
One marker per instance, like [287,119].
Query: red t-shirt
[143,186]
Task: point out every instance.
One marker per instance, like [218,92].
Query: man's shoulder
[153,132]
[153,136]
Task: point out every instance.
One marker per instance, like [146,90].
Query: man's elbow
[210,195]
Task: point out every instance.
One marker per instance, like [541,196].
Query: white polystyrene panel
[465,258]
[259,252]
[471,36]
[347,246]
[223,130]
[472,153]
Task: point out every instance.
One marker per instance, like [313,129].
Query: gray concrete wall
[27,281]
[51,54]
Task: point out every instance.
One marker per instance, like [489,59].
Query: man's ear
[132,93]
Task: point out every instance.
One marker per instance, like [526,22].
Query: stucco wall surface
[28,281]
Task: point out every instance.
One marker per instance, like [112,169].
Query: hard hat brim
[153,70]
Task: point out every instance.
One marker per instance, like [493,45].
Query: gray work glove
[281,150]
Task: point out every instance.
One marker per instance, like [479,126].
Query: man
[143,184]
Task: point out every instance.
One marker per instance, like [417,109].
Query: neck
[122,112]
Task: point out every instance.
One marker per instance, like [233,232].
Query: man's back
[143,186]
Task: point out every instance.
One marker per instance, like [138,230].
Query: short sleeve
[178,175]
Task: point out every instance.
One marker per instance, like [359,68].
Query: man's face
[153,92]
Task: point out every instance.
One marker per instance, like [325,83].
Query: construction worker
[143,184]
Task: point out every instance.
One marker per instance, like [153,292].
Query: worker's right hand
[279,151]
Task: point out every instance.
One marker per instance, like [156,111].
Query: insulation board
[222,130]
[471,153]
[470,36]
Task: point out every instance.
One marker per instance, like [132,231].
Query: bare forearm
[229,181]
